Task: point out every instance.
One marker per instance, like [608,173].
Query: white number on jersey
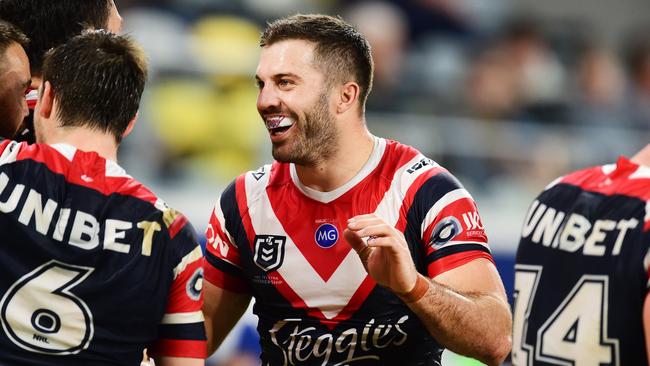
[575,334]
[40,314]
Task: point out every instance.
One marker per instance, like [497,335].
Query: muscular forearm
[474,325]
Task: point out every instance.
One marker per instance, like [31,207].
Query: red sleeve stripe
[181,348]
[224,280]
[176,225]
[455,260]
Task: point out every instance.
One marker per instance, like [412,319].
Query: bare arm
[464,309]
[221,310]
[181,361]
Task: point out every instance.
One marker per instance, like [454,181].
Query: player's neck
[354,150]
[86,139]
[642,157]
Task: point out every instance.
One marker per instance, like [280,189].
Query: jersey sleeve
[222,265]
[451,230]
[181,331]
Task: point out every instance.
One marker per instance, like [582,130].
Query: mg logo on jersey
[269,251]
[326,235]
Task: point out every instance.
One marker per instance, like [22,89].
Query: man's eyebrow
[286,74]
[280,76]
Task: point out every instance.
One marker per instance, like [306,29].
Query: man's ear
[348,96]
[131,125]
[45,100]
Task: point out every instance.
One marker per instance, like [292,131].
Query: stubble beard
[315,139]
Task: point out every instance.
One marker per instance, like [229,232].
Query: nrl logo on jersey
[269,251]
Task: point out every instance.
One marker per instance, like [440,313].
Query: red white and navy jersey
[582,270]
[93,267]
[280,241]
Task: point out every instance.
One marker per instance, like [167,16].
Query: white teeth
[286,122]
[277,122]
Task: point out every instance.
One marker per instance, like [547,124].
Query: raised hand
[384,253]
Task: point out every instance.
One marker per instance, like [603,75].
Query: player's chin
[281,153]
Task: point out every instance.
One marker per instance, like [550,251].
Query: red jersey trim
[180,348]
[452,261]
[86,169]
[224,280]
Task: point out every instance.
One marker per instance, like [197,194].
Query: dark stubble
[315,138]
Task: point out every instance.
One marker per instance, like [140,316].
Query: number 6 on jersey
[40,314]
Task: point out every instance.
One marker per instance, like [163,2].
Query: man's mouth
[278,125]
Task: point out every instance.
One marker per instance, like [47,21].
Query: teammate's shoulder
[582,176]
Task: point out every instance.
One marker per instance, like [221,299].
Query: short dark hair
[10,35]
[49,23]
[97,79]
[341,49]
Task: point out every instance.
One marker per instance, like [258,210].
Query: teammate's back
[94,267]
[90,258]
[582,270]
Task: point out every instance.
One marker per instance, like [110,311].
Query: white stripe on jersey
[66,150]
[643,172]
[388,208]
[608,168]
[160,205]
[553,183]
[10,153]
[647,212]
[452,243]
[187,259]
[114,170]
[182,318]
[331,296]
[443,202]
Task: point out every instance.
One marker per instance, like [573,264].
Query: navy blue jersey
[282,242]
[582,270]
[93,266]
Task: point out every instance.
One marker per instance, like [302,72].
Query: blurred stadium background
[507,94]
